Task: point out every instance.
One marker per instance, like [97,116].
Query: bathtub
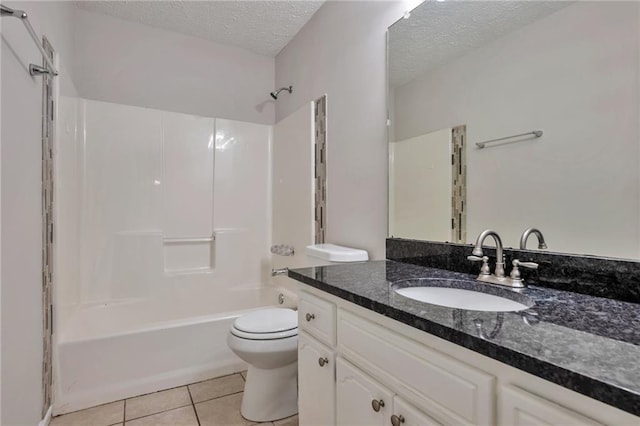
[112,351]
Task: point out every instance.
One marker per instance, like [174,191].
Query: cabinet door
[520,408]
[407,415]
[316,382]
[360,400]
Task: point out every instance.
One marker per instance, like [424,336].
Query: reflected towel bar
[188,240]
[536,133]
[22,15]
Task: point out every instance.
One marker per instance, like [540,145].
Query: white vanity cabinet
[377,371]
[360,400]
[522,408]
[404,414]
[316,382]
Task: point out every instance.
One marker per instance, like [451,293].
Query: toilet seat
[266,324]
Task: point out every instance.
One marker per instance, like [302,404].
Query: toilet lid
[265,336]
[275,320]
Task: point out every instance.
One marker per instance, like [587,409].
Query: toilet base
[270,394]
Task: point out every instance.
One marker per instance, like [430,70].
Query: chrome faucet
[498,277]
[525,235]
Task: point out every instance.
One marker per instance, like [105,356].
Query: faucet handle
[515,272]
[484,270]
[529,265]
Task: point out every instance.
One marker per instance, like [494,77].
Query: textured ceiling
[438,32]
[263,27]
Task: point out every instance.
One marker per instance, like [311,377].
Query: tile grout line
[218,397]
[193,405]
[159,412]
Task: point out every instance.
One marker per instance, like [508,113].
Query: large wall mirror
[564,76]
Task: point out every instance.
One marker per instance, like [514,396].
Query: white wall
[420,181]
[21,98]
[573,74]
[341,52]
[134,64]
[292,204]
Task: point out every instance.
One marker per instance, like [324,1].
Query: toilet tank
[332,253]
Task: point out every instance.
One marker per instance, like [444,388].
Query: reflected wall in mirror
[507,68]
[427,178]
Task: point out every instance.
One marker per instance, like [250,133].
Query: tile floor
[212,402]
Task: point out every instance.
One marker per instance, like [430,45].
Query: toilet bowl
[267,340]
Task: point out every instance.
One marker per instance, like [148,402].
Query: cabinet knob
[397,420]
[323,361]
[310,317]
[377,404]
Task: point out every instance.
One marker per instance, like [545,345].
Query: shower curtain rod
[22,15]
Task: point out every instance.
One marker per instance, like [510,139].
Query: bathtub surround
[571,343]
[591,275]
[156,246]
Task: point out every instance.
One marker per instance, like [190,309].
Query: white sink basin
[461,299]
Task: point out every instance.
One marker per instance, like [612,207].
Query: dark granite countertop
[585,343]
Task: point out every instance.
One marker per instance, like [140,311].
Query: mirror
[502,71]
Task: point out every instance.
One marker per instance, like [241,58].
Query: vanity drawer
[317,317]
[449,390]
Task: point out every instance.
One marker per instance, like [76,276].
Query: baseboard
[47,417]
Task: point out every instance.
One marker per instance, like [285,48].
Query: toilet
[267,340]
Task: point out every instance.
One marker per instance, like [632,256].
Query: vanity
[503,116]
[368,355]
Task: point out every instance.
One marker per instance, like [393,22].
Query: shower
[274,95]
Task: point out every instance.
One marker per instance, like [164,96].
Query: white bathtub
[109,352]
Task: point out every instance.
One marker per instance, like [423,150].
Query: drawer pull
[377,404]
[397,420]
[323,361]
[310,317]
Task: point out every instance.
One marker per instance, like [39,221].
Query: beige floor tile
[222,411]
[102,415]
[244,374]
[289,421]
[153,403]
[184,416]
[216,388]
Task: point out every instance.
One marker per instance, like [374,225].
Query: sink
[462,295]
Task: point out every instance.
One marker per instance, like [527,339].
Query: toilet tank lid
[267,321]
[335,253]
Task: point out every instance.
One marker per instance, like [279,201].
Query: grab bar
[178,240]
[22,15]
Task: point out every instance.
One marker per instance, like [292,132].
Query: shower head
[275,94]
